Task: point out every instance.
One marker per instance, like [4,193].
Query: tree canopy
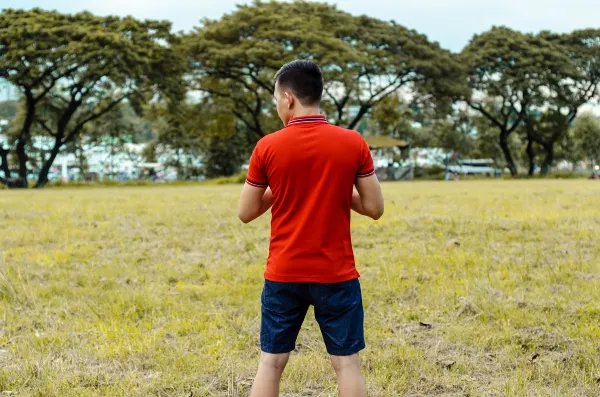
[72,69]
[207,94]
[507,72]
[364,60]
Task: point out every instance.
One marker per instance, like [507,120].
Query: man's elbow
[245,218]
[377,214]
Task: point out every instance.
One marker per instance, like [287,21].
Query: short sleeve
[257,175]
[366,167]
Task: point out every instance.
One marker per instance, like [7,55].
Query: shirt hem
[316,280]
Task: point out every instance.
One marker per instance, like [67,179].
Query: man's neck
[308,111]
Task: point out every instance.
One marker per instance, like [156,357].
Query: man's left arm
[254,202]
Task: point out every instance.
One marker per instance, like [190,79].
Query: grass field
[471,289]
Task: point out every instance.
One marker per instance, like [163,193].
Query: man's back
[311,167]
[306,173]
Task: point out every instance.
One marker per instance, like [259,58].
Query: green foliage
[394,118]
[430,173]
[454,132]
[570,85]
[79,67]
[238,178]
[224,155]
[586,137]
[511,70]
[117,184]
[178,135]
[487,143]
[206,130]
[364,60]
[77,72]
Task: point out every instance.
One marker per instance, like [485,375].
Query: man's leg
[283,310]
[339,312]
[351,382]
[266,383]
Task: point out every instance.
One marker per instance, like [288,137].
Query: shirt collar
[320,119]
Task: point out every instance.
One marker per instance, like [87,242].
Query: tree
[507,72]
[570,86]
[586,134]
[225,154]
[35,146]
[455,135]
[529,130]
[178,134]
[385,59]
[364,60]
[392,117]
[236,57]
[486,143]
[114,130]
[227,142]
[454,131]
[79,67]
[198,130]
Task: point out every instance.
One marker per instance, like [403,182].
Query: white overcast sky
[450,22]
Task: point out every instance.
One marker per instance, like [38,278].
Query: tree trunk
[4,163]
[531,156]
[24,138]
[548,159]
[510,162]
[43,175]
[7,179]
[178,165]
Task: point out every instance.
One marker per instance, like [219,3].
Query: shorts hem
[277,349]
[346,352]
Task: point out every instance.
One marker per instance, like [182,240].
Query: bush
[568,175]
[432,173]
[108,183]
[230,180]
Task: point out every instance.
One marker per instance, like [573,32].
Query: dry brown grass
[471,288]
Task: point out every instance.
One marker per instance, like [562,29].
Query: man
[307,172]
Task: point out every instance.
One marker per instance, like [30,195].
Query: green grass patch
[479,288]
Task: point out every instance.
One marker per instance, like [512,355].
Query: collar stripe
[310,119]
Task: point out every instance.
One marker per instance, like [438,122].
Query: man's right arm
[368,198]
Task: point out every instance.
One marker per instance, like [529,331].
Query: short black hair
[305,80]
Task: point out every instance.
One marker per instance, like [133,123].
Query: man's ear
[290,99]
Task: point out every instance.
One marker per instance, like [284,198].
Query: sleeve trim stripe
[251,183]
[366,174]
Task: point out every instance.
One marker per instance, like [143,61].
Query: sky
[452,23]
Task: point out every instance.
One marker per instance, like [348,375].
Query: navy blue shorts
[338,310]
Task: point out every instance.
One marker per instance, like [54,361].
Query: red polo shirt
[311,167]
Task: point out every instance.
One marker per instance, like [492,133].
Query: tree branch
[45,126]
[396,83]
[488,115]
[93,117]
[247,123]
[339,105]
